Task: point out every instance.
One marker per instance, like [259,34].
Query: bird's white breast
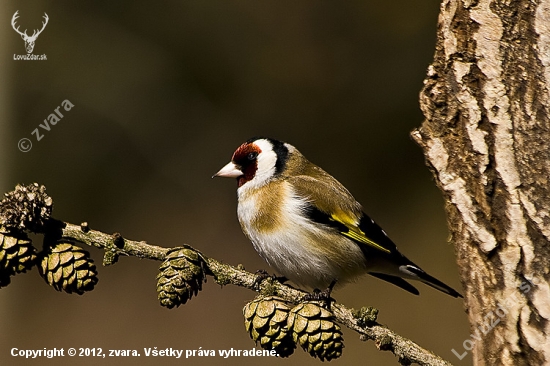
[273,219]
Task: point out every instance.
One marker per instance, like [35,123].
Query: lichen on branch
[67,267]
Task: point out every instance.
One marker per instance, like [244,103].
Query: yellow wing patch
[354,232]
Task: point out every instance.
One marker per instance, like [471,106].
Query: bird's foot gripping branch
[278,319]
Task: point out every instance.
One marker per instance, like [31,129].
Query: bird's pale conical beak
[229,171]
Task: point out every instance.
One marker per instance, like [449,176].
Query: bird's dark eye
[252,156]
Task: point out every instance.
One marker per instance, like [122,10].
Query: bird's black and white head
[256,162]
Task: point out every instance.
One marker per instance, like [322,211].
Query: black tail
[397,281]
[431,281]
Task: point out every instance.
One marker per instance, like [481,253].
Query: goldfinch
[308,226]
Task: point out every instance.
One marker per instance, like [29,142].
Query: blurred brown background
[163,93]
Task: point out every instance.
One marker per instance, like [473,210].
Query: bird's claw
[262,274]
[323,296]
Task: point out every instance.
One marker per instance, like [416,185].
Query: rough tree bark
[486,137]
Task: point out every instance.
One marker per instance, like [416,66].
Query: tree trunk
[486,137]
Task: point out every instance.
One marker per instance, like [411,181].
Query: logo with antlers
[29,40]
